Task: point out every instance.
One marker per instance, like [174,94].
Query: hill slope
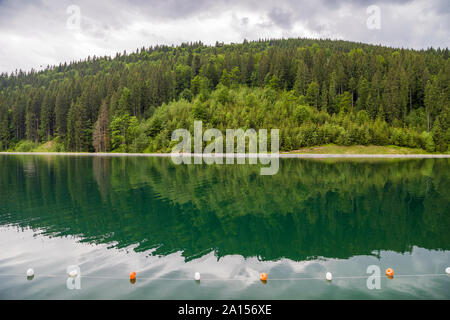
[315,91]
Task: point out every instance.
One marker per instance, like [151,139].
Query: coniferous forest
[315,91]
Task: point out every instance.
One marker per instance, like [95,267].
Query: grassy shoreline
[329,149]
[358,149]
[308,154]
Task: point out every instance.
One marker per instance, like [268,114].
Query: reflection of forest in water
[310,208]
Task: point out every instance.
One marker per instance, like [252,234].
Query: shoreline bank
[233,155]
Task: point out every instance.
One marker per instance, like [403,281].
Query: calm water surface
[111,215]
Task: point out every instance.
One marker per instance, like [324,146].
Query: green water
[111,215]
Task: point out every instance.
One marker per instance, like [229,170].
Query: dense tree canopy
[314,91]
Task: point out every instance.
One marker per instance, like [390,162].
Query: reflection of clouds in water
[232,267]
[245,273]
[29,248]
[420,257]
[421,261]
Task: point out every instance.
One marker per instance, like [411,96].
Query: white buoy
[73,273]
[197,276]
[447,270]
[30,272]
[329,276]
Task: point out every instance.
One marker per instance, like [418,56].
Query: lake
[113,215]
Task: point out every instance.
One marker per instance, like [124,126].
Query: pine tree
[431,100]
[324,101]
[100,138]
[4,126]
[301,79]
[332,93]
[18,118]
[32,117]
[125,103]
[62,105]
[79,131]
[313,94]
[47,117]
[363,93]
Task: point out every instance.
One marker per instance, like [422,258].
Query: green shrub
[426,141]
[302,114]
[25,146]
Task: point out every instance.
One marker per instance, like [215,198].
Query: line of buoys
[73,273]
[390,273]
[132,277]
[263,276]
[30,272]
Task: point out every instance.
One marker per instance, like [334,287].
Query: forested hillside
[315,91]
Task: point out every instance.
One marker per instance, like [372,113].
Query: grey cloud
[281,17]
[107,25]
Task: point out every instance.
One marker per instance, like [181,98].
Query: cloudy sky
[36,33]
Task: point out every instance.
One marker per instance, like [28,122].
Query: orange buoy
[263,276]
[390,272]
[132,275]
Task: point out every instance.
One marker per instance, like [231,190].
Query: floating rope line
[224,279]
[363,277]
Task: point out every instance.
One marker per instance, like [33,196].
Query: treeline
[315,91]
